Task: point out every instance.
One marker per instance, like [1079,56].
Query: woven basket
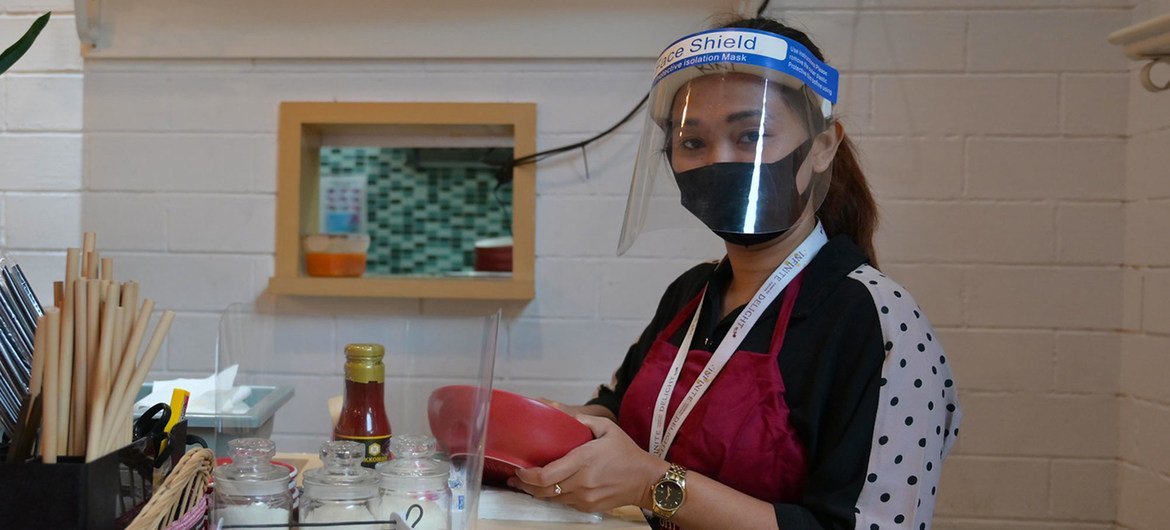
[180,502]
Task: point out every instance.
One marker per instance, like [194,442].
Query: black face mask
[719,196]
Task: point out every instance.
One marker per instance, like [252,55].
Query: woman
[791,384]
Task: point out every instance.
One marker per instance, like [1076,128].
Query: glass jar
[415,484]
[251,489]
[341,490]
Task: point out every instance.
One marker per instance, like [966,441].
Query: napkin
[205,393]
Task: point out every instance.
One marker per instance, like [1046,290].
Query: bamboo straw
[58,294]
[108,316]
[80,381]
[88,244]
[71,263]
[119,337]
[65,373]
[129,303]
[93,299]
[49,411]
[40,346]
[116,345]
[130,300]
[125,393]
[125,367]
[91,265]
[110,292]
[107,272]
[100,393]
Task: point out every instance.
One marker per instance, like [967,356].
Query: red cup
[494,255]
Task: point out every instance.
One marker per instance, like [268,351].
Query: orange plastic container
[340,265]
[336,255]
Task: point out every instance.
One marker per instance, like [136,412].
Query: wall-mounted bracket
[87,14]
[1147,41]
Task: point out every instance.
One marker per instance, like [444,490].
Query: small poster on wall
[343,204]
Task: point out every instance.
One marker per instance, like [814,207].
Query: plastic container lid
[336,243]
[494,242]
[414,467]
[251,472]
[342,477]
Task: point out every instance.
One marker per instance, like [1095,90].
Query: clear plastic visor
[732,152]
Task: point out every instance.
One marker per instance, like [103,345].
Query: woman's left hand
[605,473]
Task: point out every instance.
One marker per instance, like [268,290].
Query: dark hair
[849,206]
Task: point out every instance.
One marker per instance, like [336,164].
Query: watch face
[668,495]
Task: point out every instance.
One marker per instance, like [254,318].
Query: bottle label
[377,448]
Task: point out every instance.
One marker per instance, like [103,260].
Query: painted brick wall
[994,132]
[1144,462]
[40,138]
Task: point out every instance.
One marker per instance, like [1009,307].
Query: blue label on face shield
[749,47]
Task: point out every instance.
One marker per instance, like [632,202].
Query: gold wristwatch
[669,492]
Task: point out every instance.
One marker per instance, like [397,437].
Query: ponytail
[849,206]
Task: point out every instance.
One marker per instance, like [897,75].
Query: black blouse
[866,383]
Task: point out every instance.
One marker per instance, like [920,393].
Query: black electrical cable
[504,174]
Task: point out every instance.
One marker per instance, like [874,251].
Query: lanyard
[659,440]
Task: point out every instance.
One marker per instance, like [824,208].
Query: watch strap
[675,474]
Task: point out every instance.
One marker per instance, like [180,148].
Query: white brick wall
[40,134]
[1021,174]
[1144,472]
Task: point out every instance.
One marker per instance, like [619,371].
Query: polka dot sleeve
[917,416]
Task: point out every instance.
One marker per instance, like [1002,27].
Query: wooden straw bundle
[86,363]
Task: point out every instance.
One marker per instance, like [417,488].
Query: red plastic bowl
[521,432]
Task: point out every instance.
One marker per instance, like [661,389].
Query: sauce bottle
[363,412]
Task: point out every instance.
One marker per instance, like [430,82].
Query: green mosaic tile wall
[423,220]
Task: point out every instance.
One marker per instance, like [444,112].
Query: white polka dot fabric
[917,417]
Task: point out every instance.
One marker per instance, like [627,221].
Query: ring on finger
[557,489]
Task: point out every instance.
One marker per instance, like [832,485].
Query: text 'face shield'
[727,141]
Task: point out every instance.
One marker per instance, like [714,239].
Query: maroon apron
[739,431]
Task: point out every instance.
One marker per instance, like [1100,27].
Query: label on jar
[377,448]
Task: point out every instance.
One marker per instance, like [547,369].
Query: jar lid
[413,466]
[251,471]
[365,351]
[342,477]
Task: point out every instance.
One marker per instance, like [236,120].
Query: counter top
[624,518]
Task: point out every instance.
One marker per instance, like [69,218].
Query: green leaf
[16,51]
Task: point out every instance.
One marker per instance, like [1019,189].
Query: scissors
[152,424]
[155,425]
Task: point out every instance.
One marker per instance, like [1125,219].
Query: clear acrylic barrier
[288,344]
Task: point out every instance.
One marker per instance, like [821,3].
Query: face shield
[737,137]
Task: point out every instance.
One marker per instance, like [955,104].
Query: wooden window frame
[298,184]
